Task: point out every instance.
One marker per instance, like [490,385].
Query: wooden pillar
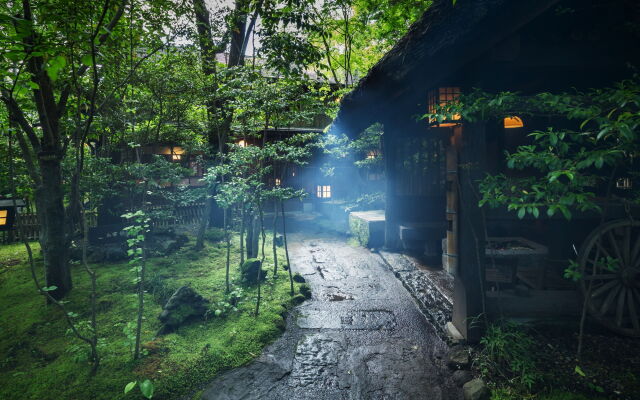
[390,152]
[469,281]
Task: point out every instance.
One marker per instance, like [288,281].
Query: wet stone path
[361,336]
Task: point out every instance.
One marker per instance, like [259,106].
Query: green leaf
[521,212]
[130,386]
[579,371]
[87,60]
[535,212]
[146,388]
[49,288]
[54,66]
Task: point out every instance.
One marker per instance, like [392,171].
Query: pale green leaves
[146,388]
[54,66]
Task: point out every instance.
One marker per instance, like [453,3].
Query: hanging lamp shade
[513,122]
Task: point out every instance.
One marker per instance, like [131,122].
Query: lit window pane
[3,213]
[3,221]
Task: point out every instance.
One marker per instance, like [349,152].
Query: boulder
[460,377]
[184,304]
[459,357]
[249,271]
[279,241]
[475,389]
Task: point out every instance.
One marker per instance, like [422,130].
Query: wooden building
[527,46]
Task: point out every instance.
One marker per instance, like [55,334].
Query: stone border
[432,300]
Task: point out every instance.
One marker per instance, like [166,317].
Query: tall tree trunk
[242,224]
[275,235]
[53,235]
[286,247]
[227,239]
[204,222]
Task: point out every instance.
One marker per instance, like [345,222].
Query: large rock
[475,389]
[185,303]
[459,357]
[249,271]
[460,377]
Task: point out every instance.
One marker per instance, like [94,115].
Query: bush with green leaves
[508,354]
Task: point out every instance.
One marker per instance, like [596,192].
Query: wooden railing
[183,215]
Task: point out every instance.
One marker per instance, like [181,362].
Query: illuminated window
[277,181]
[3,217]
[513,122]
[371,155]
[176,153]
[242,143]
[323,191]
[622,183]
[441,97]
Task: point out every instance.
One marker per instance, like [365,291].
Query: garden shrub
[508,354]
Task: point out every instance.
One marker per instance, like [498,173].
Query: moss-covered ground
[39,360]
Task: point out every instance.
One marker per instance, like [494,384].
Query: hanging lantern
[441,97]
[242,143]
[513,122]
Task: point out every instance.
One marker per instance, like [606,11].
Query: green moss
[359,229]
[38,361]
[305,290]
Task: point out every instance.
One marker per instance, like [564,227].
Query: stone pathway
[361,336]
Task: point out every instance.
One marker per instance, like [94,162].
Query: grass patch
[38,360]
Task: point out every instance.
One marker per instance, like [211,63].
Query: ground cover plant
[538,361]
[32,340]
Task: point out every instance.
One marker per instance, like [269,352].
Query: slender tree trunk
[275,235]
[264,238]
[286,247]
[242,223]
[204,222]
[227,239]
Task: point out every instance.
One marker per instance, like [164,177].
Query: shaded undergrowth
[39,361]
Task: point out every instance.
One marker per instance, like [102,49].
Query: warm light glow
[242,143]
[371,155]
[176,153]
[3,217]
[277,181]
[323,191]
[441,97]
[622,183]
[513,122]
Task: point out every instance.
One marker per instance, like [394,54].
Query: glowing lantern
[441,97]
[8,211]
[323,191]
[371,155]
[513,122]
[277,181]
[4,217]
[176,153]
[242,143]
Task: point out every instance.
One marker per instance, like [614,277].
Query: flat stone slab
[372,320]
[368,227]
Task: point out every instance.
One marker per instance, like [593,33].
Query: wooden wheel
[614,299]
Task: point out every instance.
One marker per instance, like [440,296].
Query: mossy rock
[249,271]
[298,299]
[285,266]
[298,278]
[305,290]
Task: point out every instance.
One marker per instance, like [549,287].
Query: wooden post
[469,281]
[389,143]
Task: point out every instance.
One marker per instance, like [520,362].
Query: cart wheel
[614,300]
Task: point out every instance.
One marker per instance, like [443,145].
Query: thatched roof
[445,38]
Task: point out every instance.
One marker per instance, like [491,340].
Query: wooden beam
[469,281]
